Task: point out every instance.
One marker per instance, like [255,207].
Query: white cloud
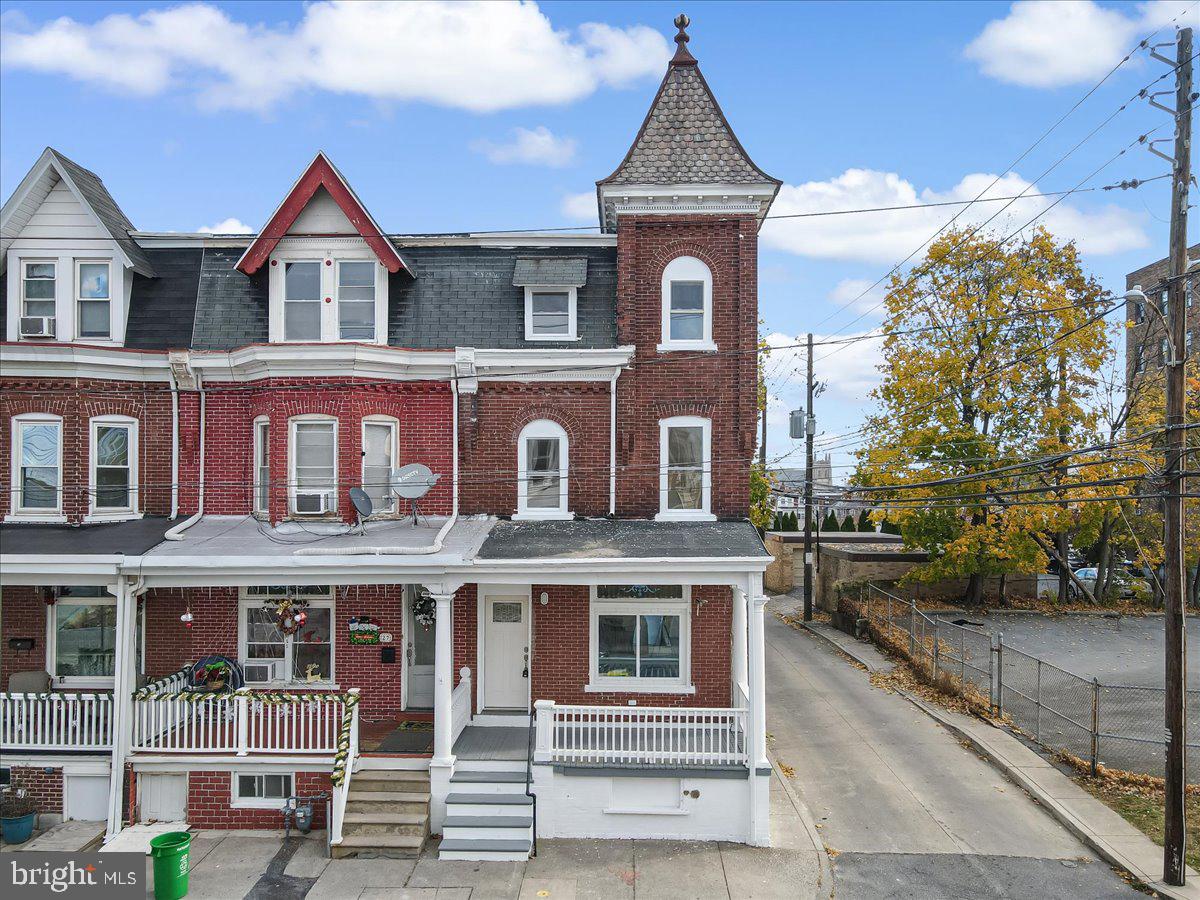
[479,56]
[538,146]
[887,237]
[1049,43]
[857,294]
[850,372]
[580,206]
[227,226]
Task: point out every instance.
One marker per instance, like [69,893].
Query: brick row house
[451,529]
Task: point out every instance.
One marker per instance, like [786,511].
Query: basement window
[261,790]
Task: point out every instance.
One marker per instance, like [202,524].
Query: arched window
[113,471]
[686,305]
[542,471]
[262,466]
[685,468]
[36,466]
[380,436]
[313,460]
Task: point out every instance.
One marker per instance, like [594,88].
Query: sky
[465,116]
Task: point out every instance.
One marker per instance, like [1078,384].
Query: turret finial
[682,55]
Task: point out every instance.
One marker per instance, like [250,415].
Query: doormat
[408,737]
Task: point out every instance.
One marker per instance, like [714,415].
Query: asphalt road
[904,810]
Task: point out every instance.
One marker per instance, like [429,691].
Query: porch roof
[130,538]
[608,539]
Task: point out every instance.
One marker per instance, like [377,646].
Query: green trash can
[171,865]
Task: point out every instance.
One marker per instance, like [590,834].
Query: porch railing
[344,762]
[460,705]
[687,736]
[242,723]
[56,721]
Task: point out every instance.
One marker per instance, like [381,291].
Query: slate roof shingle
[570,271]
[162,309]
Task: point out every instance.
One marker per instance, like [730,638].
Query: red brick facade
[44,784]
[209,801]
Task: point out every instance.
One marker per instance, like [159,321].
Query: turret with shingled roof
[685,142]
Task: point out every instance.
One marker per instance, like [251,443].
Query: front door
[506,652]
[418,660]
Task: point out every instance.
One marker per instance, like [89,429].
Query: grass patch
[1143,809]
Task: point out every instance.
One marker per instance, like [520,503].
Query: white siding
[62,216]
[322,215]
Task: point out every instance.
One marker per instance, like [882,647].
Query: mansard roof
[88,189]
[321,173]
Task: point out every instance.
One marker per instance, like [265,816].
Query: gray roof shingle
[560,271]
[617,538]
[162,310]
[231,308]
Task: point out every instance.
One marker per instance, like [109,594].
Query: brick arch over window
[702,408]
[676,249]
[551,412]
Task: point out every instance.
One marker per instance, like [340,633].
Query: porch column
[124,669]
[441,767]
[759,831]
[738,670]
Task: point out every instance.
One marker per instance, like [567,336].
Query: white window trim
[704,514]
[572,312]
[33,260]
[598,683]
[80,300]
[77,681]
[238,802]
[328,602]
[328,256]
[542,428]
[393,423]
[292,485]
[687,268]
[114,514]
[33,514]
[256,450]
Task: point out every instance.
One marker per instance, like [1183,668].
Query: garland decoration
[424,609]
[342,754]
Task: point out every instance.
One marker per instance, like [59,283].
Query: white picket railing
[57,721]
[460,705]
[640,734]
[237,723]
[343,772]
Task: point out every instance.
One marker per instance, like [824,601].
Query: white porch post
[124,669]
[740,603]
[760,829]
[441,767]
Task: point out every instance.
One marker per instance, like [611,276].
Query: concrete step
[489,782]
[512,850]
[400,801]
[479,804]
[385,828]
[487,833]
[490,765]
[399,845]
[391,776]
[385,817]
[501,720]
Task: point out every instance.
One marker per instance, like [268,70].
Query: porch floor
[411,735]
[492,742]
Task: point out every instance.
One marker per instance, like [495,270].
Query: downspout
[174,446]
[612,443]
[436,546]
[176,533]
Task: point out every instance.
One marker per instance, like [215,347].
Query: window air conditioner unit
[37,326]
[259,672]
[313,504]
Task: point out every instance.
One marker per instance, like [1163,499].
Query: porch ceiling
[634,539]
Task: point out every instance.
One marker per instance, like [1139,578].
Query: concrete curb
[1072,822]
[826,884]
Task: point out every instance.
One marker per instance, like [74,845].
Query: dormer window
[38,280]
[356,301]
[686,305]
[93,299]
[302,301]
[338,295]
[550,314]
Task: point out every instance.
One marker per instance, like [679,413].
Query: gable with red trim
[320,174]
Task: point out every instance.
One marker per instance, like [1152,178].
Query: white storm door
[506,652]
[418,661]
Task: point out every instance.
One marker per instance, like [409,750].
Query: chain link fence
[1115,725]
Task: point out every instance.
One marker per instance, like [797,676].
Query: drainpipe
[174,446]
[612,443]
[176,533]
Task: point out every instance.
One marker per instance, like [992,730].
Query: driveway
[904,810]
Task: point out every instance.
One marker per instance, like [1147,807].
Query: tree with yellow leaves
[989,349]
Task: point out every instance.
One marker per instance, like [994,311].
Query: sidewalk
[1104,831]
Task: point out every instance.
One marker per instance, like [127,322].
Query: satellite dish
[362,502]
[413,481]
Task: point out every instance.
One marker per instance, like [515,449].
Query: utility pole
[1174,837]
[808,489]
[762,441]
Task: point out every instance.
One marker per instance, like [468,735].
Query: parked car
[1125,584]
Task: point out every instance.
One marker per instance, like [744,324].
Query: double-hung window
[37,465]
[551,314]
[262,466]
[82,640]
[378,460]
[356,301]
[685,468]
[38,281]
[93,300]
[113,465]
[314,466]
[268,653]
[542,471]
[640,639]
[302,301]
[686,305]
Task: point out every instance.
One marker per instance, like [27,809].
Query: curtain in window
[39,466]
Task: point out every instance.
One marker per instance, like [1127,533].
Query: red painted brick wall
[209,794]
[466,638]
[719,386]
[77,401]
[22,614]
[44,785]
[169,644]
